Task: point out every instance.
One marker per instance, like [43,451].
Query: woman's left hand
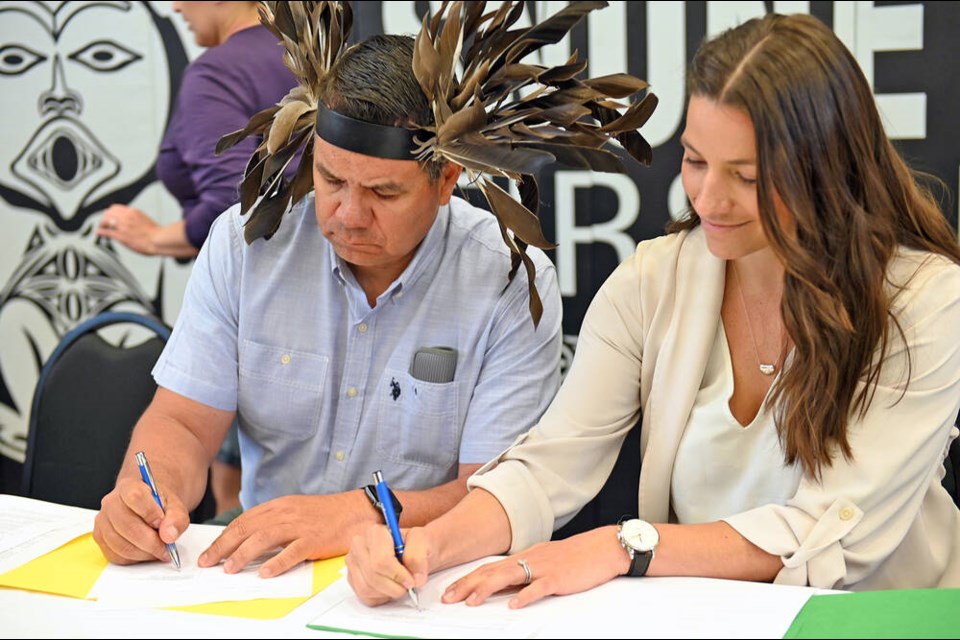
[566,566]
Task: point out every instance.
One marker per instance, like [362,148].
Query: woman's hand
[375,574]
[130,227]
[568,566]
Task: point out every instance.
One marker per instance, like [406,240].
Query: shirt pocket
[281,389]
[418,421]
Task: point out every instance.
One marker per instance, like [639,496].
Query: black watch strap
[640,563]
[371,491]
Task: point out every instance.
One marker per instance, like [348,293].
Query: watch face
[640,535]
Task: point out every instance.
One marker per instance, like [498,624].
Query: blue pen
[148,479]
[390,517]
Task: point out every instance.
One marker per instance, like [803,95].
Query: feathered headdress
[500,117]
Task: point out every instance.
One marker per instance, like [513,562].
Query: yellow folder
[73,569]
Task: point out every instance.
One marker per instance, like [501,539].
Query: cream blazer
[879,520]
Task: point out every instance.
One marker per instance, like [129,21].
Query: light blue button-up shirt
[281,332]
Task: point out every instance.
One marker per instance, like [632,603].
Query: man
[309,338]
[381,323]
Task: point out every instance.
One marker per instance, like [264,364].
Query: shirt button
[340,456]
[846,513]
[362,327]
[285,358]
[352,392]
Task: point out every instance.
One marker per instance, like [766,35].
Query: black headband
[367,138]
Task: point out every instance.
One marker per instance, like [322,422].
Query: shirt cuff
[811,550]
[528,510]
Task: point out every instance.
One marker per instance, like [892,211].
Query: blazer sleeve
[552,471]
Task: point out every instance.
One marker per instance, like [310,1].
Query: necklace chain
[765,368]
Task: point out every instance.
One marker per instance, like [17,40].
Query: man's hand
[132,528]
[307,527]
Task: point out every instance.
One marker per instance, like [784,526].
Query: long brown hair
[822,148]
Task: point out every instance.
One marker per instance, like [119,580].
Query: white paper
[434,619]
[160,584]
[655,608]
[31,528]
[677,608]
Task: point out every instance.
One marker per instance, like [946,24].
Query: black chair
[89,395]
[951,480]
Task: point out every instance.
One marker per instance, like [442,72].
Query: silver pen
[147,476]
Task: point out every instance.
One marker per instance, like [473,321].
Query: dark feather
[302,182]
[494,157]
[637,146]
[514,215]
[565,72]
[256,124]
[635,117]
[617,85]
[266,217]
[529,193]
[582,157]
[250,187]
[553,29]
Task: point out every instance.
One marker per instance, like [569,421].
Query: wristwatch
[371,492]
[639,539]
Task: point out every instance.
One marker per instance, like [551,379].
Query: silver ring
[526,570]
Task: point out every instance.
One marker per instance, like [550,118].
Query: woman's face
[719,175]
[203,19]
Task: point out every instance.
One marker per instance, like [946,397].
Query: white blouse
[723,467]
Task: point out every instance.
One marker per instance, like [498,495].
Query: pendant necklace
[767,369]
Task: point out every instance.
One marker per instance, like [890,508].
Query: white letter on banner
[399,17]
[569,235]
[724,15]
[667,64]
[865,29]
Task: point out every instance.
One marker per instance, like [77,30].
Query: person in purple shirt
[240,74]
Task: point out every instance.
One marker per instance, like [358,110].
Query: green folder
[906,613]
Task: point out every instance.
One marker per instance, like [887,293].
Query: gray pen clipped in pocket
[434,364]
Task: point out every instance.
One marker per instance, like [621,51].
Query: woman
[240,74]
[791,346]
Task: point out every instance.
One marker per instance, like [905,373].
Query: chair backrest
[951,479]
[89,395]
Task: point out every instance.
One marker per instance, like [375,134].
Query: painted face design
[89,85]
[87,92]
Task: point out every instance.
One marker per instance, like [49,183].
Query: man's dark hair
[373,81]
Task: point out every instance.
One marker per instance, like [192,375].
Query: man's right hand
[375,574]
[132,528]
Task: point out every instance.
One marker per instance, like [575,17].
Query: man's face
[375,212]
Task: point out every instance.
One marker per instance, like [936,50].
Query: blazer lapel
[681,361]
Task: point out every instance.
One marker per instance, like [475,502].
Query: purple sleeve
[211,109]
[221,91]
